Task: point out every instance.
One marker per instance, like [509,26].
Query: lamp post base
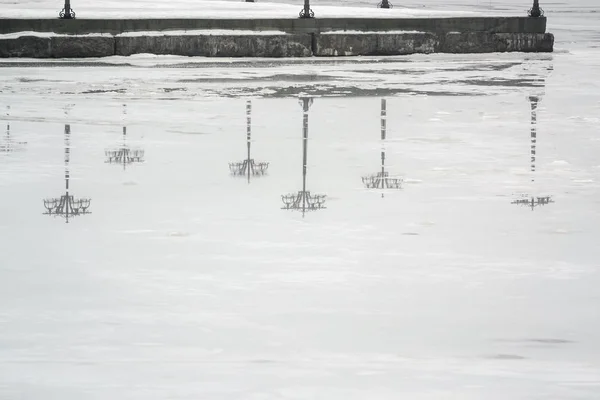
[307,13]
[536,11]
[66,14]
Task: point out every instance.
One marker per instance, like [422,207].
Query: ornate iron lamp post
[527,200]
[67,206]
[304,200]
[248,167]
[124,155]
[306,11]
[536,11]
[67,12]
[8,145]
[382,179]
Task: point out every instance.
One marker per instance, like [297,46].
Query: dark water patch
[294,91]
[500,82]
[277,78]
[103,91]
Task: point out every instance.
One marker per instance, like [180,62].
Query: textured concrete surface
[292,45]
[479,42]
[25,46]
[425,43]
[82,46]
[218,46]
[291,25]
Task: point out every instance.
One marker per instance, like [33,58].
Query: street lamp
[527,200]
[536,11]
[248,167]
[124,155]
[67,12]
[306,12]
[8,145]
[382,179]
[304,200]
[67,206]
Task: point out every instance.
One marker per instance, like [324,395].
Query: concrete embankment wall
[290,25]
[293,45]
[296,38]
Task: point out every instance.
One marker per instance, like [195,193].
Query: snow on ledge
[215,9]
[16,35]
[202,32]
[368,32]
[199,32]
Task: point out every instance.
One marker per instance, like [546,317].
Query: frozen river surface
[185,282]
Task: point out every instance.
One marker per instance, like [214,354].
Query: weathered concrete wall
[218,46]
[291,25]
[58,47]
[82,46]
[367,44]
[25,46]
[410,43]
[293,45]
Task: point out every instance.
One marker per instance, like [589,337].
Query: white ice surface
[187,283]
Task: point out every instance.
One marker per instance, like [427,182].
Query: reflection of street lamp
[248,167]
[66,205]
[124,155]
[303,200]
[527,200]
[382,179]
[8,145]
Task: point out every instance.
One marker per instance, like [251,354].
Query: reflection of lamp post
[8,145]
[382,180]
[67,12]
[248,167]
[536,11]
[527,200]
[304,200]
[124,155]
[66,205]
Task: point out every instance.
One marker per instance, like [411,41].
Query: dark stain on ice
[501,82]
[329,91]
[410,234]
[542,341]
[169,90]
[549,341]
[276,78]
[103,91]
[505,357]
